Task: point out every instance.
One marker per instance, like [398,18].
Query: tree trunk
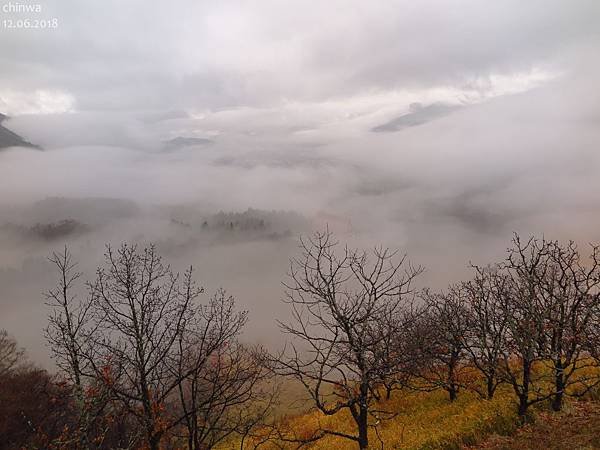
[388,392]
[452,385]
[523,405]
[453,392]
[151,435]
[154,442]
[557,401]
[559,383]
[199,445]
[491,387]
[524,394]
[363,429]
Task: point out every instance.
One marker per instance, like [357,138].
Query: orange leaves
[160,417]
[107,374]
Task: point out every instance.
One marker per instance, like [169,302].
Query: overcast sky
[213,55]
[439,127]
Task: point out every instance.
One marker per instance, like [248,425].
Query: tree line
[360,330]
[146,364]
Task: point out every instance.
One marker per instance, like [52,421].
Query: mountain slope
[11,139]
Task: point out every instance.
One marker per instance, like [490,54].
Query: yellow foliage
[425,420]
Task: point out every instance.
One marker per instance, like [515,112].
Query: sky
[436,127]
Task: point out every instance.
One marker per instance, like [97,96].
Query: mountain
[418,115]
[11,139]
[181,142]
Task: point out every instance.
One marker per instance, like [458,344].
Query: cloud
[38,102]
[224,54]
[505,138]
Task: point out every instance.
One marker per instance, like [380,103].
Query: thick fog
[222,131]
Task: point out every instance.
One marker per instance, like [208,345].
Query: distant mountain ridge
[181,142]
[11,139]
[417,115]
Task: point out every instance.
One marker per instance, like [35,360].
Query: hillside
[428,420]
[11,139]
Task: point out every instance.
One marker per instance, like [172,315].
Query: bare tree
[570,298]
[139,344]
[443,329]
[525,265]
[220,379]
[554,297]
[67,320]
[257,420]
[402,348]
[207,333]
[11,355]
[487,297]
[344,303]
[65,334]
[98,421]
[226,394]
[139,308]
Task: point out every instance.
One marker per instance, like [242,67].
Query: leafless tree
[403,348]
[65,334]
[570,298]
[68,318]
[11,355]
[140,344]
[526,264]
[139,308]
[257,419]
[98,422]
[554,298]
[221,380]
[443,330]
[344,303]
[487,297]
[207,333]
[232,385]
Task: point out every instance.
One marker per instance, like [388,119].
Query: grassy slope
[428,421]
[424,421]
[578,427]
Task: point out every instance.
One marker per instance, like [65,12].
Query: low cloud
[224,107]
